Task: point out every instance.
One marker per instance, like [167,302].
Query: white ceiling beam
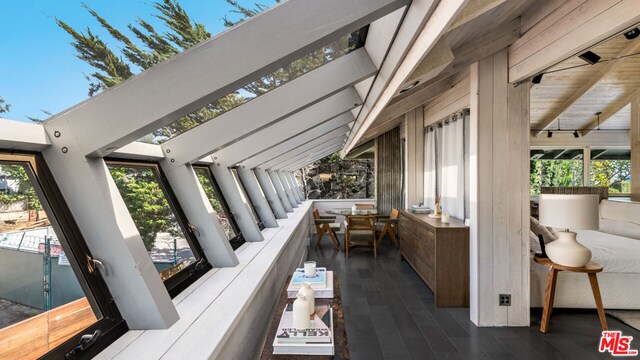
[16,135]
[567,31]
[269,108]
[609,112]
[618,138]
[308,146]
[607,69]
[292,157]
[323,115]
[474,9]
[401,66]
[297,141]
[306,161]
[213,69]
[139,151]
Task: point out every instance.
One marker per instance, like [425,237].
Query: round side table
[591,269]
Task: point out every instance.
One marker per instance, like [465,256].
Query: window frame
[187,276]
[110,323]
[239,239]
[260,222]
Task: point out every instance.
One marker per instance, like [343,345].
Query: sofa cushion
[620,211]
[620,218]
[548,234]
[534,244]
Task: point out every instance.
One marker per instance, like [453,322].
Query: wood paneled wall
[414,137]
[388,171]
[499,194]
[635,149]
[447,103]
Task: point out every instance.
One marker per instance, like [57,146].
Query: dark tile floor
[390,314]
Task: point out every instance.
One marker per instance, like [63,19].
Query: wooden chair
[365,206]
[360,231]
[389,226]
[326,224]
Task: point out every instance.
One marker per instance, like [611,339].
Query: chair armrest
[389,221]
[323,221]
[328,217]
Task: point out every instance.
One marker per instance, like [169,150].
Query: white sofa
[616,246]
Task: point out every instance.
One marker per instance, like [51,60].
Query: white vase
[567,251]
[310,295]
[301,312]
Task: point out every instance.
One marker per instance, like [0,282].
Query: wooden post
[635,149]
[586,160]
[499,194]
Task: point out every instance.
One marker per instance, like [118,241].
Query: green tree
[4,107]
[145,201]
[25,188]
[555,173]
[614,174]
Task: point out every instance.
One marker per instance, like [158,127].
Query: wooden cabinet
[439,254]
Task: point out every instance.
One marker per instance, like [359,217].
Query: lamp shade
[574,212]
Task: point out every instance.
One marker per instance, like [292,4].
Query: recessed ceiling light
[632,34]
[537,79]
[590,57]
[409,87]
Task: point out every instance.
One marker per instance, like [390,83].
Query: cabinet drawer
[425,253]
[425,236]
[426,273]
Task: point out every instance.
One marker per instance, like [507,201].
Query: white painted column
[635,149]
[499,192]
[270,193]
[296,186]
[260,203]
[280,190]
[193,200]
[586,160]
[239,208]
[294,192]
[287,189]
[110,233]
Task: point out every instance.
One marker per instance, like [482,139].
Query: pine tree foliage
[4,107]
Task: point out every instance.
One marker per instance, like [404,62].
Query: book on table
[322,291]
[317,340]
[320,278]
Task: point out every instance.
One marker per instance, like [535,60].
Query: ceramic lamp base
[567,251]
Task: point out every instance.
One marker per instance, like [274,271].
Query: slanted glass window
[49,293]
[245,197]
[160,221]
[261,86]
[224,214]
[611,168]
[556,167]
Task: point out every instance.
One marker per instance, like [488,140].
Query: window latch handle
[85,342]
[97,264]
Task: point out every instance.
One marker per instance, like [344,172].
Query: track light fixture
[409,87]
[537,79]
[590,57]
[632,34]
[576,134]
[549,134]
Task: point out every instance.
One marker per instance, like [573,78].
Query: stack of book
[322,283]
[420,209]
[316,340]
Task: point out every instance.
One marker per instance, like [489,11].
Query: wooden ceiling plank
[610,112]
[432,64]
[474,9]
[586,87]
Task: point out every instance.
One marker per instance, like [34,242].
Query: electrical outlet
[504,300]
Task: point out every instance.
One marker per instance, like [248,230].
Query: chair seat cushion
[360,235]
[335,226]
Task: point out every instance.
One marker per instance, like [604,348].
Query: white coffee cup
[445,218]
[310,269]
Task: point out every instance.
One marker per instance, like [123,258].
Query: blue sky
[38,67]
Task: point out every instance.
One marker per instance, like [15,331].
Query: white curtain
[451,166]
[430,168]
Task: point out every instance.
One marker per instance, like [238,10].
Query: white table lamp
[576,212]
